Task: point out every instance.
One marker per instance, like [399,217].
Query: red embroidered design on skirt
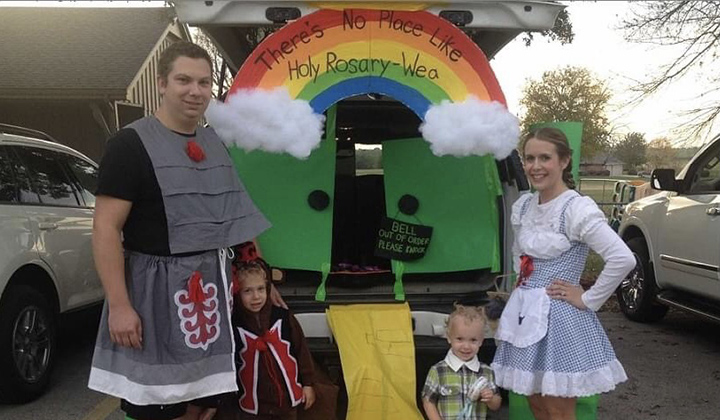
[198,312]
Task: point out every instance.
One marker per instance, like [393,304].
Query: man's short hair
[180,49]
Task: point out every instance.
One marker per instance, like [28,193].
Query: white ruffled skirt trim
[560,384]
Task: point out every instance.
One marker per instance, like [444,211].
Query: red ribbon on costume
[194,151]
[195,289]
[526,269]
[268,346]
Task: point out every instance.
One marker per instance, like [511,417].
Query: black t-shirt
[126,172]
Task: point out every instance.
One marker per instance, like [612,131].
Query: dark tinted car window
[48,177]
[22,177]
[8,187]
[86,174]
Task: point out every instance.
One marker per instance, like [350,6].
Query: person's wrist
[119,304]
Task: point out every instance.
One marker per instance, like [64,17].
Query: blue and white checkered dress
[575,357]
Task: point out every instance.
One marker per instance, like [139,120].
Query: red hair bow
[247,252]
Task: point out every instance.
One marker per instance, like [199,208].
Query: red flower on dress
[526,269]
[194,151]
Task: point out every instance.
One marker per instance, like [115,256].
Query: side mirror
[664,179]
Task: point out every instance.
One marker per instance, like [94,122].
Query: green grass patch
[593,266]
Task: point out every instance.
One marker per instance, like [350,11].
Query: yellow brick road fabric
[378,360]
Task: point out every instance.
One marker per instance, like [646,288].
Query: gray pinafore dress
[184,302]
[548,346]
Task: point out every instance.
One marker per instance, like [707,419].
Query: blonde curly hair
[467,313]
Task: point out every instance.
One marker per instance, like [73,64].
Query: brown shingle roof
[83,50]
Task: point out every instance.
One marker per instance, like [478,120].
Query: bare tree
[693,28]
[222,77]
[660,153]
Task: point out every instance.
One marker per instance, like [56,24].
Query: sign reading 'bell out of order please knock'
[402,241]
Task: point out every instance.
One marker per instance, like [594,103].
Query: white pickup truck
[675,236]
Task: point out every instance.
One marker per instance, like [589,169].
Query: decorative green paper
[321,292]
[398,267]
[573,132]
[585,407]
[458,198]
[279,184]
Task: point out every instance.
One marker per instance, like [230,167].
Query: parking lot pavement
[68,397]
[673,366]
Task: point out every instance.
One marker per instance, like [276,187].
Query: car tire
[27,344]
[637,292]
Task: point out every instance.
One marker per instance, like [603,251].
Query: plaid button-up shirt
[448,383]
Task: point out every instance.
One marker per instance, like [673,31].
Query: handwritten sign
[416,57]
[356,60]
[402,241]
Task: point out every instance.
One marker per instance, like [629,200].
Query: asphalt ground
[673,366]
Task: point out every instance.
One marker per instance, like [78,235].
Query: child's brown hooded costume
[272,358]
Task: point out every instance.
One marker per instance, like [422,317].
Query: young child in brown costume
[274,366]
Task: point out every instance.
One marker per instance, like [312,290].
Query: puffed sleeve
[515,222]
[586,223]
[583,215]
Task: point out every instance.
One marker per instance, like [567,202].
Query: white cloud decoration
[268,120]
[473,127]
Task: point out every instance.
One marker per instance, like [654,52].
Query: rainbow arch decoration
[415,57]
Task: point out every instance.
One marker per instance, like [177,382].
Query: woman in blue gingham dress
[551,345]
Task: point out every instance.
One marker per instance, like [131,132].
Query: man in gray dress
[169,205]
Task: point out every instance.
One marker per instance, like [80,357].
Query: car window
[86,175]
[47,177]
[706,175]
[8,187]
[21,176]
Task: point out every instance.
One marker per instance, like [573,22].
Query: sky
[600,47]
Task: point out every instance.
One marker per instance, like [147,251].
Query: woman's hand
[562,290]
[308,396]
[276,298]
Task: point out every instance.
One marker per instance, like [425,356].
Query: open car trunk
[328,210]
[452,199]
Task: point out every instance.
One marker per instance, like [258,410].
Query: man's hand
[308,396]
[125,326]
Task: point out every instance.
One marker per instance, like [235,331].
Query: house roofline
[173,27]
[63,94]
